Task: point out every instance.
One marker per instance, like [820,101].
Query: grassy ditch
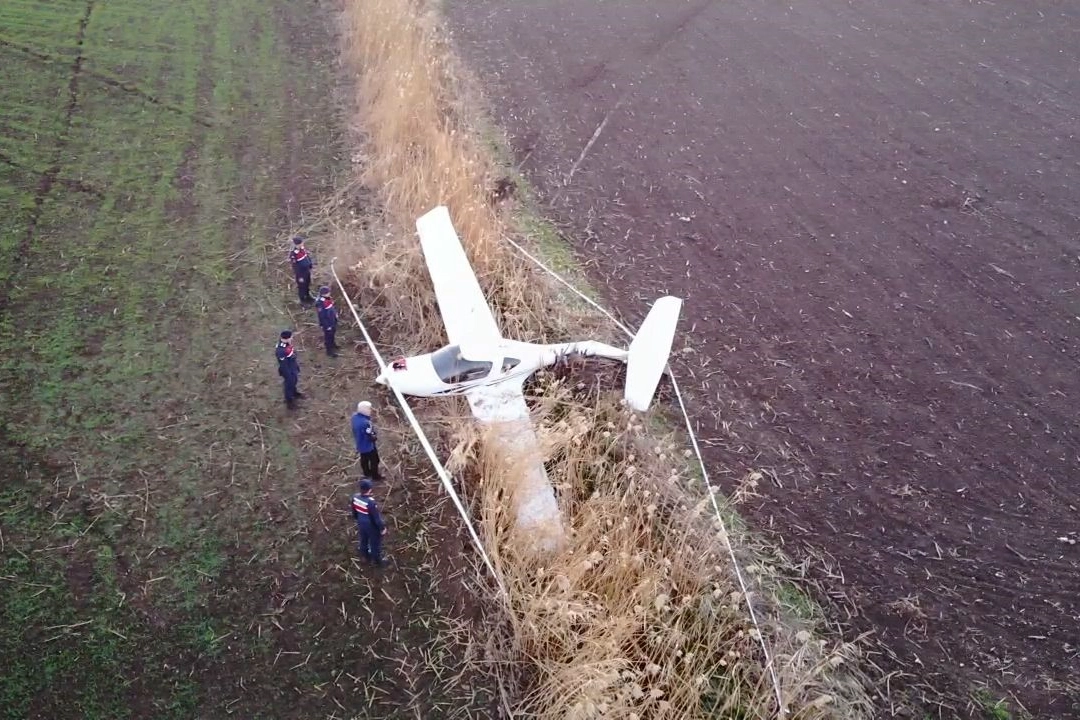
[642,615]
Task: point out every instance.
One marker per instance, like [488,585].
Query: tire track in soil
[70,184]
[49,177]
[111,82]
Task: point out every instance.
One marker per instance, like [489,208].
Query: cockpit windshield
[452,368]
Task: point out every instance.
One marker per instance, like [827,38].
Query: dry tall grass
[641,616]
[418,152]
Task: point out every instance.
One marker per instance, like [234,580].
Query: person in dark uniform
[301,263]
[288,367]
[327,319]
[369,523]
[364,435]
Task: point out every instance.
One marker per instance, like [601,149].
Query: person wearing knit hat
[366,438]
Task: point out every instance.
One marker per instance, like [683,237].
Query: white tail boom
[649,351]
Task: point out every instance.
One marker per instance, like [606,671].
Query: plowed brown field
[871,210]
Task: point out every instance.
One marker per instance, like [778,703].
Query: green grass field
[171,540]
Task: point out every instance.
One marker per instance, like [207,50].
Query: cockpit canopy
[452,367]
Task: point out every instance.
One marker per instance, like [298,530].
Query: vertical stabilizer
[649,352]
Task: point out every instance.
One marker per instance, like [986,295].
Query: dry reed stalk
[640,616]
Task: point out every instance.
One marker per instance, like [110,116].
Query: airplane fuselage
[456,369]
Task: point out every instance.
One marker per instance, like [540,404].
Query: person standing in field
[366,438]
[369,523]
[301,263]
[288,368]
[327,319]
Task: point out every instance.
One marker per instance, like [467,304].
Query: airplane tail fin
[649,351]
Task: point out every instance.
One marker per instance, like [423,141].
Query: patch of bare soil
[870,211]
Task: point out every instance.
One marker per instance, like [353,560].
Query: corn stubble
[641,615]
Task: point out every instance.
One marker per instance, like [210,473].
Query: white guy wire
[440,469]
[782,711]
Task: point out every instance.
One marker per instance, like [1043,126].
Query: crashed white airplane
[491,370]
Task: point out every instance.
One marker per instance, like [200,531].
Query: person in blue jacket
[327,319]
[364,435]
[288,368]
[301,264]
[369,523]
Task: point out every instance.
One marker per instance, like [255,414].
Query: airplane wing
[502,407]
[465,312]
[504,402]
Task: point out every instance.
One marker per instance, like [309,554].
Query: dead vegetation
[641,616]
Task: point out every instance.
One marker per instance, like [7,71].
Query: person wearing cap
[364,435]
[301,264]
[327,319]
[369,523]
[288,367]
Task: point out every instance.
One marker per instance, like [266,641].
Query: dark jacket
[301,261]
[327,313]
[287,364]
[364,510]
[363,433]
